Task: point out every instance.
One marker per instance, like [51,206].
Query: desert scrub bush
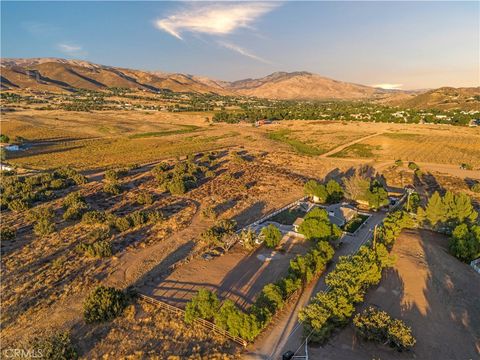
[54,346]
[413,166]
[75,211]
[144,198]
[73,199]
[44,227]
[398,162]
[99,233]
[41,213]
[122,224]
[112,188]
[155,216]
[137,218]
[475,187]
[103,304]
[98,249]
[160,168]
[18,205]
[378,326]
[94,217]
[209,213]
[177,186]
[271,235]
[7,233]
[57,184]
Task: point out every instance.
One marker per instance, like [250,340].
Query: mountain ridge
[57,74]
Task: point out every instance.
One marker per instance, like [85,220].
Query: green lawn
[355,223]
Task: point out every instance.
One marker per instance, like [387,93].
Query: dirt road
[286,333]
[344,146]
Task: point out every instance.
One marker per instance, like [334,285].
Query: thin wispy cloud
[243,51]
[389,86]
[71,49]
[217,19]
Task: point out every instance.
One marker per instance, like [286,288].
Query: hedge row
[248,324]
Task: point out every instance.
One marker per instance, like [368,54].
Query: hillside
[49,74]
[443,98]
[302,86]
[67,75]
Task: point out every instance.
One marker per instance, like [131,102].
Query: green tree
[435,212]
[335,191]
[271,235]
[464,243]
[377,196]
[315,189]
[203,305]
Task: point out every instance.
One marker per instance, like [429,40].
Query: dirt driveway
[238,275]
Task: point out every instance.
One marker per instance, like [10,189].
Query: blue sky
[400,44]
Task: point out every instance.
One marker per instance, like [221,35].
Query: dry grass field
[432,292]
[93,140]
[45,279]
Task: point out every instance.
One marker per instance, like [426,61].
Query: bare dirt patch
[433,293]
[237,275]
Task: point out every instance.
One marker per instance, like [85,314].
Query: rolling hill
[51,74]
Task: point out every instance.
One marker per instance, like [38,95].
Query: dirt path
[344,146]
[138,266]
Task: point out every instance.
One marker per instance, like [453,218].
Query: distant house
[340,214]
[474,122]
[262,122]
[297,224]
[12,147]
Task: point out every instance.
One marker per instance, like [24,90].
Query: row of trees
[348,283]
[454,214]
[378,326]
[248,324]
[339,110]
[444,213]
[330,193]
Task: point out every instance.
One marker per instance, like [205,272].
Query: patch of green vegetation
[288,216]
[185,130]
[404,136]
[299,146]
[355,223]
[358,150]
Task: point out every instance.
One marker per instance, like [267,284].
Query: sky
[405,45]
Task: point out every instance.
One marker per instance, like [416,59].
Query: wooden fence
[206,324]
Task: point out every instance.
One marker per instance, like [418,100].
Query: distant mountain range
[53,74]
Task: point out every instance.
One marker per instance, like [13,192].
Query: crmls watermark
[22,353]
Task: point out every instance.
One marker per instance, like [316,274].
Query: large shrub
[203,305]
[43,227]
[54,346]
[103,304]
[7,233]
[272,236]
[99,249]
[464,243]
[377,325]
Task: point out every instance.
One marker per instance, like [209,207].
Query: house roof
[298,222]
